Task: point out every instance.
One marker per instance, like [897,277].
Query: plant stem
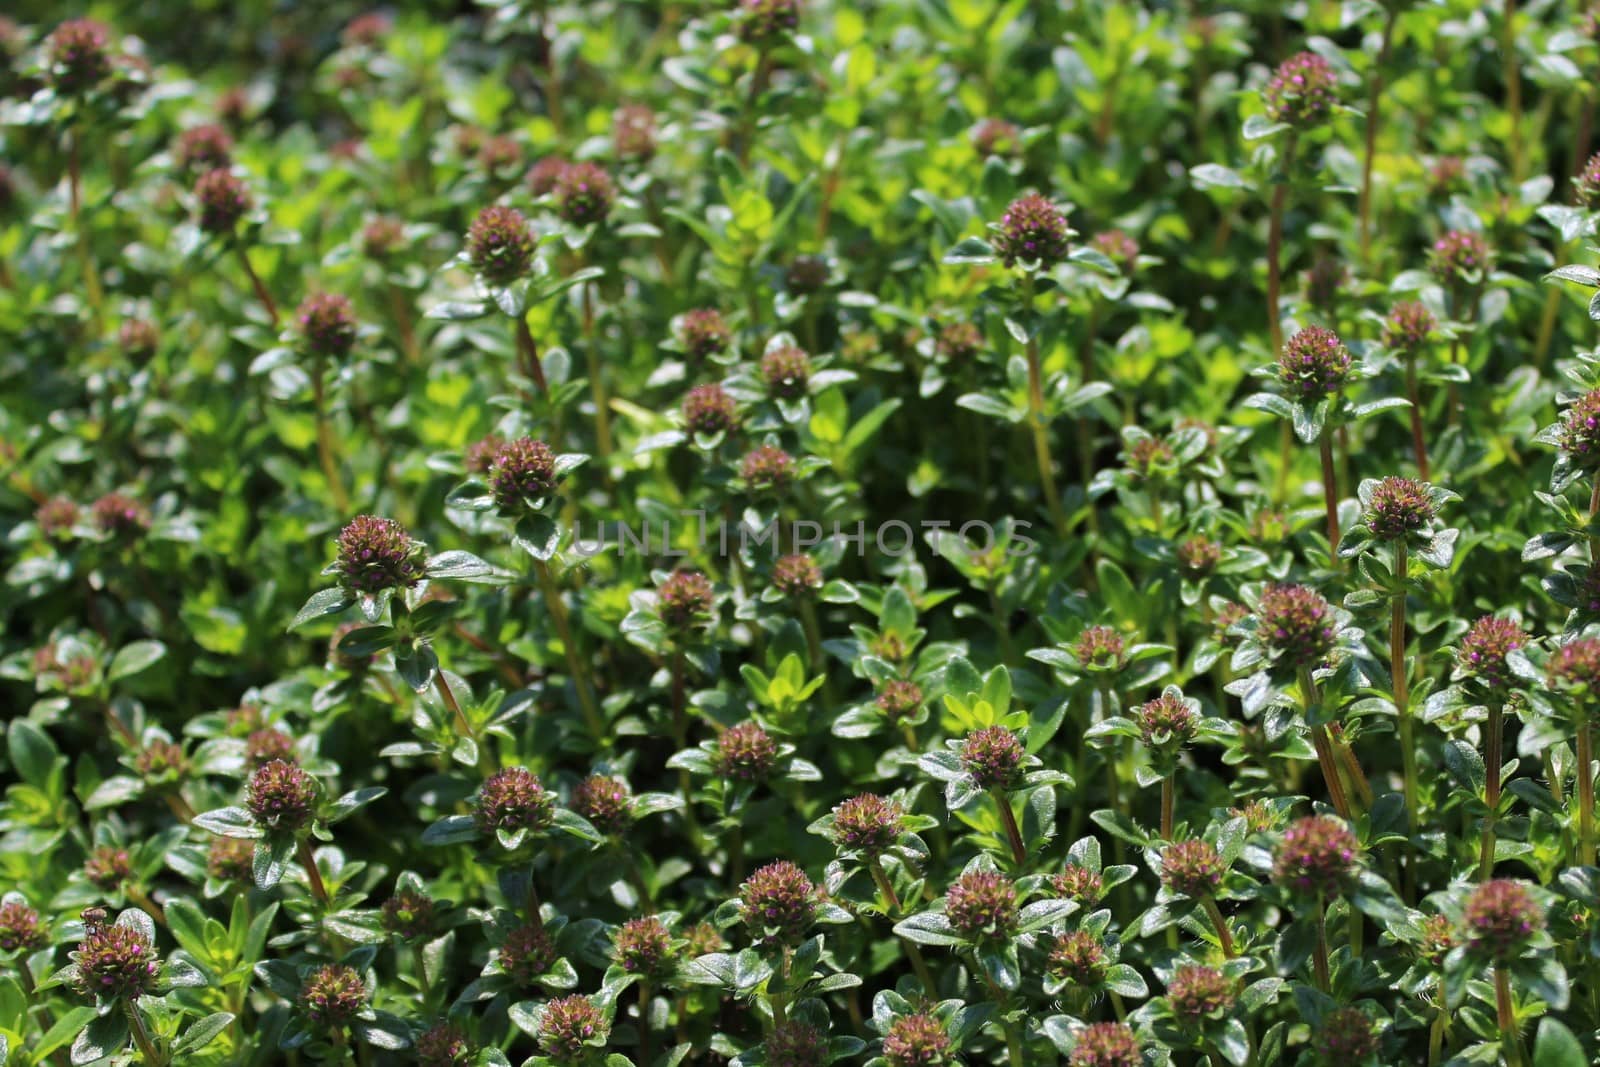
[1002,628]
[1319,954]
[644,1022]
[1324,747]
[1330,491]
[1506,1017]
[1013,1044]
[1494,741]
[1224,937]
[1398,673]
[309,863]
[1280,198]
[597,387]
[91,275]
[1002,801]
[892,902]
[1374,100]
[1419,442]
[1513,80]
[330,468]
[1036,418]
[580,677]
[141,1036]
[528,356]
[532,903]
[1352,766]
[260,288]
[1168,803]
[1584,787]
[405,325]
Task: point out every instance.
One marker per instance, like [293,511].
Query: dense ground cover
[783,533]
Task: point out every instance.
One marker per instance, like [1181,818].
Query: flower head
[633,132]
[584,194]
[542,175]
[765,23]
[1314,364]
[796,1044]
[1500,918]
[120,516]
[268,744]
[708,409]
[997,137]
[685,599]
[1151,459]
[526,953]
[1100,646]
[982,905]
[779,903]
[1296,624]
[382,237]
[993,756]
[56,518]
[500,245]
[644,947]
[408,914]
[223,201]
[231,859]
[807,274]
[1197,992]
[1167,720]
[796,576]
[1438,938]
[162,759]
[332,995]
[767,467]
[1346,1036]
[1078,957]
[138,339]
[1198,556]
[1318,855]
[514,799]
[1399,507]
[204,147]
[1192,868]
[1576,664]
[1586,183]
[80,55]
[786,370]
[605,802]
[327,324]
[1106,1045]
[868,823]
[280,796]
[376,554]
[115,961]
[702,332]
[1485,648]
[1326,282]
[1118,247]
[1033,230]
[899,699]
[444,1045]
[499,154]
[1080,884]
[959,342]
[108,866]
[569,1027]
[21,929]
[745,753]
[1302,91]
[1579,436]
[1460,257]
[1409,327]
[522,475]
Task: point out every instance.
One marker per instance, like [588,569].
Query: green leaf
[106,1036]
[202,1033]
[451,830]
[459,566]
[973,250]
[928,928]
[135,659]
[229,822]
[31,752]
[1575,273]
[1215,176]
[323,603]
[458,311]
[1556,1046]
